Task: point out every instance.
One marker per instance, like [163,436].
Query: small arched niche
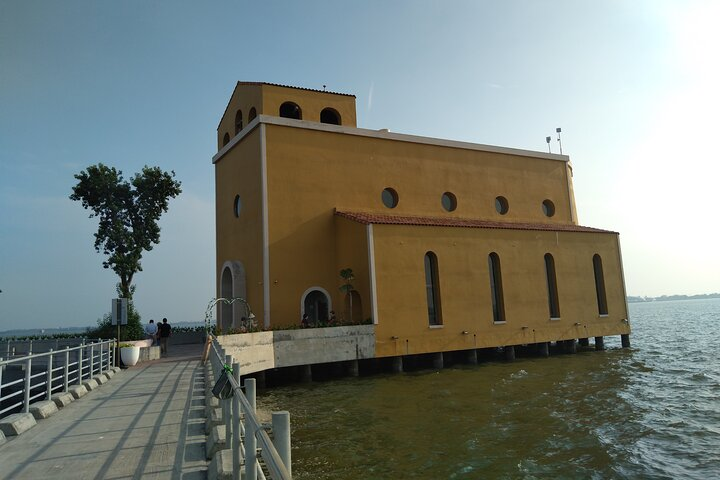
[290,110]
[330,115]
[238,121]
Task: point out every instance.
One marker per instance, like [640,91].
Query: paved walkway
[147,422]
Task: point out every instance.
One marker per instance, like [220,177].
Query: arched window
[290,110]
[252,115]
[316,305]
[553,302]
[496,288]
[432,289]
[226,139]
[238,121]
[600,285]
[330,115]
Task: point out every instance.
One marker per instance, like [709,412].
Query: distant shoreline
[668,298]
[79,331]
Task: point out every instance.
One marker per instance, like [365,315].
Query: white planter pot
[130,355]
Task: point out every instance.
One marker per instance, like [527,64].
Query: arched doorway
[232,285]
[316,305]
[226,310]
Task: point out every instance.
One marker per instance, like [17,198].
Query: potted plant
[129,354]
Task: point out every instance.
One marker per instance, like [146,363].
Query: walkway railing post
[250,438]
[1,371]
[92,360]
[49,380]
[100,358]
[26,401]
[236,453]
[281,434]
[79,365]
[228,410]
[66,370]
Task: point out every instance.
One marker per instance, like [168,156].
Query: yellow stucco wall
[311,173]
[465,287]
[266,99]
[240,238]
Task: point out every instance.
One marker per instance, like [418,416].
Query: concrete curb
[220,466]
[78,391]
[2,437]
[17,423]
[90,385]
[62,399]
[213,419]
[43,409]
[215,441]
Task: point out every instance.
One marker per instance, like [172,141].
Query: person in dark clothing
[165,331]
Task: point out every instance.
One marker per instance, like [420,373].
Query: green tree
[128,214]
[347,275]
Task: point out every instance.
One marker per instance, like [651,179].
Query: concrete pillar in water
[509,353]
[305,373]
[396,365]
[599,343]
[472,357]
[544,349]
[571,346]
[625,339]
[353,368]
[584,342]
[437,360]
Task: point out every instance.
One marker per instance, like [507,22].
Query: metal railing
[245,436]
[56,371]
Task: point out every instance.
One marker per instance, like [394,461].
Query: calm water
[652,411]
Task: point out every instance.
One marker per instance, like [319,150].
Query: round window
[237,205]
[548,208]
[389,198]
[449,201]
[501,205]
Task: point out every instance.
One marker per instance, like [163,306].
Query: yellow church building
[453,245]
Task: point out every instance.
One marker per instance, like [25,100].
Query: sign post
[119,316]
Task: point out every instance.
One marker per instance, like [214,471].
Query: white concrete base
[109,374]
[116,369]
[62,399]
[214,418]
[215,441]
[18,423]
[2,438]
[220,467]
[78,391]
[43,409]
[90,385]
[101,379]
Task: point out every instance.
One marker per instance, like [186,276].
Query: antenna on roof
[547,139]
[558,130]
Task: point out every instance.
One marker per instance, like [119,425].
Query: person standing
[165,332]
[151,331]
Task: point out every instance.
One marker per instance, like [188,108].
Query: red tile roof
[378,218]
[296,88]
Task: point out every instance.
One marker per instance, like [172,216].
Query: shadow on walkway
[147,422]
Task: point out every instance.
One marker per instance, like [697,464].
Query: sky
[632,84]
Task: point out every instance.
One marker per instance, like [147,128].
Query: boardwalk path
[147,422]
